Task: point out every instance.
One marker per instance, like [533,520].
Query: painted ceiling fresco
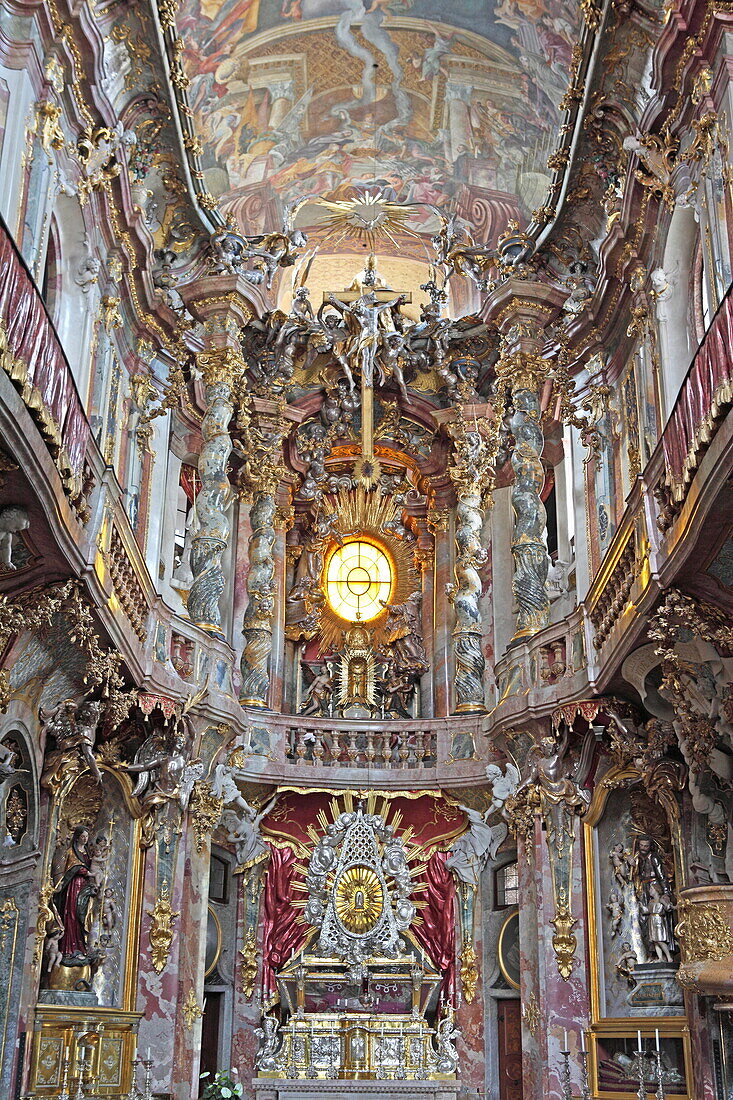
[449,102]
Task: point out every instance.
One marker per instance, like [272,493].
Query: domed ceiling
[454,103]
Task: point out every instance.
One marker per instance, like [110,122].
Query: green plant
[222,1086]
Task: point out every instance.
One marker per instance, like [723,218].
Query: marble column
[258,616]
[223,304]
[529,538]
[550,1004]
[439,525]
[193,925]
[212,523]
[522,310]
[261,476]
[471,471]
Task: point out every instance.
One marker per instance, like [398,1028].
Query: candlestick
[660,1093]
[567,1091]
[65,1083]
[641,1070]
[584,1085]
[148,1069]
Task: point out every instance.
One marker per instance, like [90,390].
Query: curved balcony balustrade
[419,753]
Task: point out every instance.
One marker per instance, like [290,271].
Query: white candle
[148,1058]
[656,1037]
[582,1040]
[638,1041]
[566,1041]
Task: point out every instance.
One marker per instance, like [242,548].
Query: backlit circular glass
[359,580]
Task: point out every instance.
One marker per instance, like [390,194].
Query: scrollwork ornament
[469,971]
[206,810]
[192,1010]
[161,929]
[248,969]
[704,932]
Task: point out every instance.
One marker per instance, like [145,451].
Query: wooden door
[510,1050]
[210,1036]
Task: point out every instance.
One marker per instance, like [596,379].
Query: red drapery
[436,931]
[282,936]
[432,823]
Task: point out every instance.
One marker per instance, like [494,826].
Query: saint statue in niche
[654,892]
[73,895]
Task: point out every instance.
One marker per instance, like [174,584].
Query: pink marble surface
[563,1005]
[157,994]
[246,1013]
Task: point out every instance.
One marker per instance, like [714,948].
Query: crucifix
[372,344]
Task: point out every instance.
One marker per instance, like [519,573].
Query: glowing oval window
[359,577]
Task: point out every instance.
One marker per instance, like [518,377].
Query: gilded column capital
[221,366]
[263,467]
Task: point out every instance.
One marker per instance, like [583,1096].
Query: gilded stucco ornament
[192,1010]
[206,809]
[249,964]
[469,971]
[531,1014]
[704,932]
[550,787]
[161,929]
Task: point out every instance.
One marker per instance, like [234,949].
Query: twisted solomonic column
[219,368]
[523,311]
[223,306]
[529,545]
[471,472]
[261,475]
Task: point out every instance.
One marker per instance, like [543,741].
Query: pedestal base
[657,991]
[303,1089]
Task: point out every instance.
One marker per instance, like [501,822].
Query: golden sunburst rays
[366,218]
[366,513]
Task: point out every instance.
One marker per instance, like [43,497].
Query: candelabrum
[64,1095]
[565,1074]
[640,1060]
[147,1093]
[659,1094]
[584,1085]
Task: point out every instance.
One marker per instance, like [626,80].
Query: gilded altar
[361,1046]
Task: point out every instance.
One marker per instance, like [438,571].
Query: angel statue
[266,1058]
[503,785]
[550,771]
[478,844]
[166,775]
[244,833]
[74,726]
[320,689]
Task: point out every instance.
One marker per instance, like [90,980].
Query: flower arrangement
[222,1086]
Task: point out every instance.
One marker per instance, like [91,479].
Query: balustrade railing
[706,393]
[32,356]
[356,748]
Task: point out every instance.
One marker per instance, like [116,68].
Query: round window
[359,580]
